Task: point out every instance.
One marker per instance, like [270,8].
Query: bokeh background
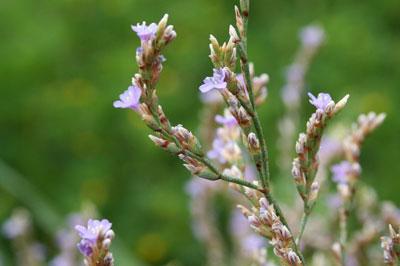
[62,63]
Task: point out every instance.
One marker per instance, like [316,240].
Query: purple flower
[145,32]
[218,146]
[129,98]
[217,81]
[341,172]
[321,102]
[211,97]
[96,230]
[17,225]
[312,35]
[226,120]
[85,247]
[63,260]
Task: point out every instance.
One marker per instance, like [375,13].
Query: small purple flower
[145,32]
[226,120]
[211,97]
[85,247]
[17,225]
[96,230]
[341,172]
[129,98]
[321,102]
[218,146]
[217,81]
[312,35]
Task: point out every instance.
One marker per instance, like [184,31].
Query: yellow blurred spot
[377,102]
[151,248]
[78,92]
[94,190]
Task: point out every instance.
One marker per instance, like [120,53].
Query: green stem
[226,178]
[303,223]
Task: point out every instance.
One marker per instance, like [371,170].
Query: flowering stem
[264,170]
[264,173]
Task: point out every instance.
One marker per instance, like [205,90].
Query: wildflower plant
[239,145]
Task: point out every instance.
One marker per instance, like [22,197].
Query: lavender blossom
[129,98]
[17,225]
[343,171]
[321,102]
[312,36]
[145,32]
[217,81]
[95,243]
[226,120]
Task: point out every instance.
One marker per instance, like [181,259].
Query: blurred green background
[62,63]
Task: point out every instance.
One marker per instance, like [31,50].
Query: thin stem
[343,232]
[265,175]
[303,223]
[230,179]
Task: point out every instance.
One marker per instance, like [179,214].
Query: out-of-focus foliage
[62,63]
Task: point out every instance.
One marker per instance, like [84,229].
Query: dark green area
[62,63]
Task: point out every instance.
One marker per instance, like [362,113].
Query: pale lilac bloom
[320,102]
[250,172]
[334,201]
[312,35]
[341,172]
[211,97]
[17,225]
[329,148]
[145,32]
[226,120]
[218,147]
[197,187]
[217,81]
[91,234]
[129,98]
[63,260]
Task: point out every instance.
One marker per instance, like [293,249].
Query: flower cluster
[95,242]
[239,140]
[264,220]
[305,165]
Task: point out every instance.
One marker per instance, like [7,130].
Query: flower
[94,232]
[217,81]
[312,35]
[321,102]
[145,32]
[129,98]
[342,171]
[17,225]
[227,119]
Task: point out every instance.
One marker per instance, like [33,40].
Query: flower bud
[254,143]
[341,104]
[232,32]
